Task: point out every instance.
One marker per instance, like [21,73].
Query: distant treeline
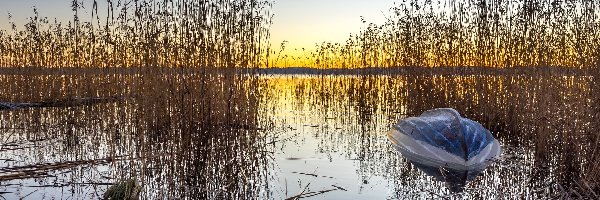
[535,70]
[448,70]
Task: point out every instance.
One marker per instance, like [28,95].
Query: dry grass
[458,33]
[144,33]
[549,117]
[173,62]
[593,180]
[171,130]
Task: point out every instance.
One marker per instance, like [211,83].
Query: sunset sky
[306,22]
[300,22]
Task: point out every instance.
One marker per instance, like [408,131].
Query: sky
[302,23]
[305,22]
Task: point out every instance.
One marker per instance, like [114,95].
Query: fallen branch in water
[42,170]
[305,194]
[59,103]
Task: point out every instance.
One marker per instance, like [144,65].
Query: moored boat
[441,137]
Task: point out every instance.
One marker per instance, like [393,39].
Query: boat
[441,137]
[446,146]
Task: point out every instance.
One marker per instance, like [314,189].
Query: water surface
[275,137]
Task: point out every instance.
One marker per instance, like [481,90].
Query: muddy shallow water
[276,137]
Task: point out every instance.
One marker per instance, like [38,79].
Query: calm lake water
[276,137]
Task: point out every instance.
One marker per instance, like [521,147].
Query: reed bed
[545,124]
[149,41]
[595,169]
[477,37]
[168,142]
[184,117]
[188,119]
[143,33]
[462,33]
[197,138]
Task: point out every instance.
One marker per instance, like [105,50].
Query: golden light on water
[172,96]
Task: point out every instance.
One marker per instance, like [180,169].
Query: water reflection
[179,136]
[445,145]
[274,137]
[455,179]
[345,119]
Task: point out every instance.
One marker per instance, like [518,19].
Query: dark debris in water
[59,103]
[310,174]
[44,169]
[305,194]
[124,190]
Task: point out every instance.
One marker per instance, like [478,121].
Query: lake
[224,136]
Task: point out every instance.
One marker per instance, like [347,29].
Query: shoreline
[372,71]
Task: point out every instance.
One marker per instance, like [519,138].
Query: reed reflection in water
[272,137]
[339,126]
[179,136]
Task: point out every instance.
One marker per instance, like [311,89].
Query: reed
[189,119]
[197,131]
[186,118]
[549,117]
[593,182]
[482,33]
[144,33]
[472,37]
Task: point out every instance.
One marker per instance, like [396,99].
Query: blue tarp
[446,129]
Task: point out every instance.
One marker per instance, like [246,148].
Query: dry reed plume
[459,33]
[144,33]
[195,126]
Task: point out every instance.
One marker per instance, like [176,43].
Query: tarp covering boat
[455,179]
[441,137]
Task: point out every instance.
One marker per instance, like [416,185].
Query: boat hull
[429,155]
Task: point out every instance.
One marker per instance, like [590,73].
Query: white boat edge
[421,152]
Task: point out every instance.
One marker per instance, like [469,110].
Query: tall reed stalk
[481,33]
[144,33]
[187,117]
